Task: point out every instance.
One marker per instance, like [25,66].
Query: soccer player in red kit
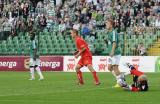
[86,57]
[139,78]
[140,82]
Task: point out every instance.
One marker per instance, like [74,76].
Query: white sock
[32,73]
[118,77]
[39,72]
[114,75]
[121,76]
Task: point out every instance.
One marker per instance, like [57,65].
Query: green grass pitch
[61,88]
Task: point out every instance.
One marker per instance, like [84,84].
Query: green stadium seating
[56,43]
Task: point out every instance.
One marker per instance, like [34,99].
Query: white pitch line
[35,101]
[117,102]
[93,89]
[65,91]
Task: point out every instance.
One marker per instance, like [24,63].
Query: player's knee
[90,67]
[77,68]
[114,67]
[110,68]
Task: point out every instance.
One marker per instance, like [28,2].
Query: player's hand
[111,54]
[76,56]
[34,58]
[75,53]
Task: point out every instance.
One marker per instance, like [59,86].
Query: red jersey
[80,43]
[136,72]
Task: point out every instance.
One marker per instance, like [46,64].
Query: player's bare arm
[113,49]
[35,52]
[79,52]
[76,52]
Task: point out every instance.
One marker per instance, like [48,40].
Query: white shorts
[33,62]
[114,60]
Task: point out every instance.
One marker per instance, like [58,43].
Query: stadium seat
[63,45]
[55,41]
[64,51]
[133,36]
[54,51]
[59,51]
[43,45]
[141,37]
[0,50]
[46,33]
[51,51]
[43,51]
[105,52]
[49,45]
[40,33]
[21,34]
[92,48]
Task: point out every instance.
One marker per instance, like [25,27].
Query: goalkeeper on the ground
[140,82]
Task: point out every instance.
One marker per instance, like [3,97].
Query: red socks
[79,75]
[136,72]
[95,77]
[80,78]
[134,89]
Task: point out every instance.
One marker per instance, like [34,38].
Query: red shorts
[85,61]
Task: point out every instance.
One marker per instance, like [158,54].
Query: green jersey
[113,37]
[33,47]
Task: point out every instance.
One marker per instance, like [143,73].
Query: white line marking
[117,102]
[67,91]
